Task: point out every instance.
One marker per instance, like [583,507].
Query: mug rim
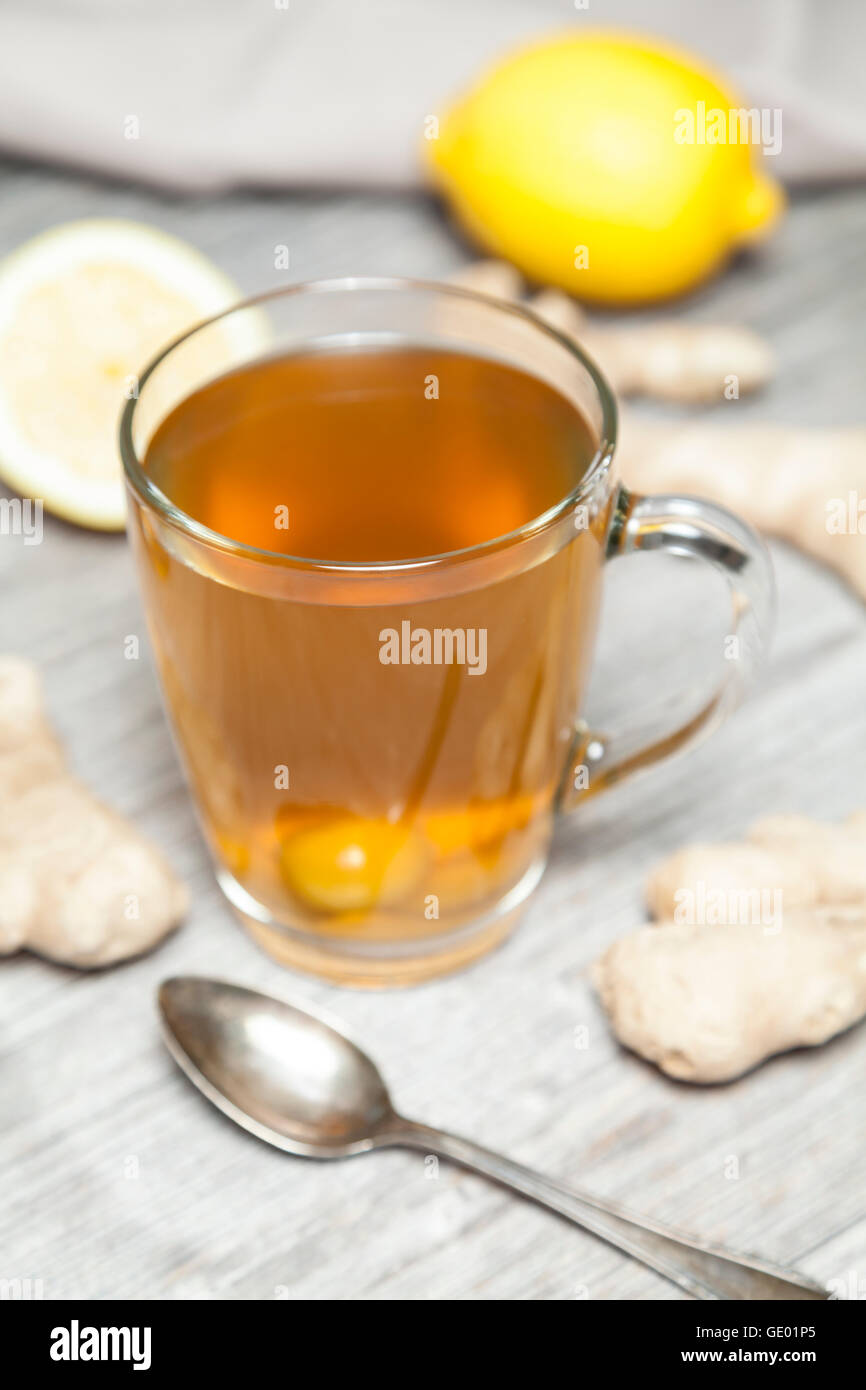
[152,496]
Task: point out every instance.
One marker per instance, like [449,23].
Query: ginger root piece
[807,863]
[708,1003]
[807,486]
[728,881]
[668,360]
[77,883]
[497,278]
[761,947]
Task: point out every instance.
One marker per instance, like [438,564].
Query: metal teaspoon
[296,1081]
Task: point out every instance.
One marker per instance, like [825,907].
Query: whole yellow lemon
[593,162]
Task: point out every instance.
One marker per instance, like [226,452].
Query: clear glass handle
[682,526]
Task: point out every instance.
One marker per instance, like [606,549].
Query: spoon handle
[704,1271]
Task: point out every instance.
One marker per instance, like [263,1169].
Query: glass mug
[379,821]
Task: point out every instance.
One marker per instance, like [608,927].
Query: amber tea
[375,750]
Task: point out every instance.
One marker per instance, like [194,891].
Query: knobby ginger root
[668,360]
[806,485]
[672,361]
[497,278]
[707,1003]
[761,947]
[77,882]
[804,863]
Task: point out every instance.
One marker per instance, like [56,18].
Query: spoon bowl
[282,1073]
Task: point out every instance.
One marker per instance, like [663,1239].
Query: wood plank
[116,1180]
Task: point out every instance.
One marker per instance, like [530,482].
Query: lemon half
[83,307]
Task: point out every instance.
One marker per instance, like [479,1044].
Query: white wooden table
[117,1180]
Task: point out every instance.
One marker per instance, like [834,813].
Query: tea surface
[371,455]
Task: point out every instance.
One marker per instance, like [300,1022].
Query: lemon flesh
[354,865]
[82,310]
[565,161]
